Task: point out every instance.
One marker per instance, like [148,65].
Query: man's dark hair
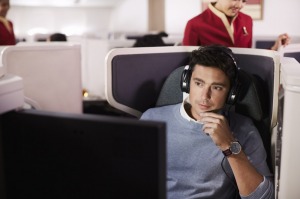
[215,56]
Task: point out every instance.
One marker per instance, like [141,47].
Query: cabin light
[85,93]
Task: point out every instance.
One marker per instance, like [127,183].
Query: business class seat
[138,79]
[291,50]
[51,74]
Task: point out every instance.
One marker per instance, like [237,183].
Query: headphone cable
[232,180]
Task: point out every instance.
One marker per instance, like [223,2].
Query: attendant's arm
[247,177]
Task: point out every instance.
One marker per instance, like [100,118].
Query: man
[7,36]
[211,152]
[223,23]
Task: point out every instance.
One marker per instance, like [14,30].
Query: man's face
[230,7]
[4,7]
[209,87]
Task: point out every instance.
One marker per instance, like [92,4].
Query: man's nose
[206,93]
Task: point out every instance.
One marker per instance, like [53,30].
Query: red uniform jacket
[213,27]
[7,36]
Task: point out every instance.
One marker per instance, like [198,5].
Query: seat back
[51,74]
[266,42]
[135,76]
[139,79]
[291,50]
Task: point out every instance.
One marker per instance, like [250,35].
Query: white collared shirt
[184,113]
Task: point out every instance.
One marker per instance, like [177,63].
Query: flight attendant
[223,23]
[7,36]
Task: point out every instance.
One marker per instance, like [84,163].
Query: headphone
[233,92]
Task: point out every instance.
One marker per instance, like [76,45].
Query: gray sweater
[196,167]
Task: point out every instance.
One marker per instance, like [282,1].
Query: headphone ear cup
[185,79]
[234,92]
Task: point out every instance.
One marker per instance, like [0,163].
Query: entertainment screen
[61,155]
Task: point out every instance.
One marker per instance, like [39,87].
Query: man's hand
[216,126]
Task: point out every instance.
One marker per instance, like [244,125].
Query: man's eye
[199,83]
[219,88]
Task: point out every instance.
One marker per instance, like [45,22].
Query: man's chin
[212,111]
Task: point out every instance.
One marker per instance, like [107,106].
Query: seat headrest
[171,92]
[252,100]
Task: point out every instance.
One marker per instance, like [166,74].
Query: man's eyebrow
[214,83]
[198,79]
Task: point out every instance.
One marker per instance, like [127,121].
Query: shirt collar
[219,13]
[6,23]
[183,112]
[229,26]
[184,105]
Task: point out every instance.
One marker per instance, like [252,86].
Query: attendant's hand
[282,40]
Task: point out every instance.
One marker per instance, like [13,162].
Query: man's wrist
[234,149]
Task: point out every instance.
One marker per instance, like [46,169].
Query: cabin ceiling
[68,3]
